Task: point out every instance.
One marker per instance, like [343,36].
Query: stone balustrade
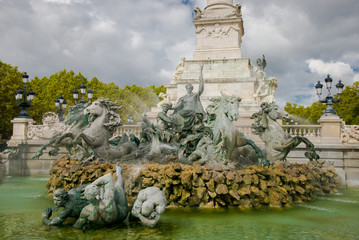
[128,129]
[308,131]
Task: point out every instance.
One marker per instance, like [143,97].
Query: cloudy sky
[141,41]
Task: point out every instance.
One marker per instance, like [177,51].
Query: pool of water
[22,200]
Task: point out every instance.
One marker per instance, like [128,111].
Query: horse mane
[217,102]
[114,117]
[258,127]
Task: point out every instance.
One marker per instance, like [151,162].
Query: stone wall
[344,158]
[22,164]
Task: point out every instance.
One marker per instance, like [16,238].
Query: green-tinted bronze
[78,121]
[278,143]
[72,203]
[107,201]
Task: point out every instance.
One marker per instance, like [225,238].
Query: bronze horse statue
[77,121]
[278,143]
[220,115]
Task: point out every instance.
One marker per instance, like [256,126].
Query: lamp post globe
[83,91]
[90,94]
[75,95]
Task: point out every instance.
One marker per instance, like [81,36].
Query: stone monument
[219,31]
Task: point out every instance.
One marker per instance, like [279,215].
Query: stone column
[19,135]
[331,128]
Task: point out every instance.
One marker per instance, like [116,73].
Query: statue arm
[60,218]
[82,220]
[149,222]
[155,216]
[164,117]
[104,180]
[136,209]
[178,106]
[201,84]
[119,185]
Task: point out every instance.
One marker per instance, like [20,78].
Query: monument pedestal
[20,127]
[331,128]
[219,31]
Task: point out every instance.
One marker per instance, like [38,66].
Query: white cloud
[338,70]
[136,39]
[140,42]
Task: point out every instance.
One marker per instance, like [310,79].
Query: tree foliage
[305,115]
[347,108]
[133,99]
[10,82]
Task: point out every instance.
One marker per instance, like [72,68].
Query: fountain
[190,157]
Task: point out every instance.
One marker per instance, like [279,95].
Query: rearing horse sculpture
[278,143]
[78,121]
[221,113]
[103,121]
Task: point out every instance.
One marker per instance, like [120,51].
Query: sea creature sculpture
[220,115]
[103,121]
[78,121]
[278,143]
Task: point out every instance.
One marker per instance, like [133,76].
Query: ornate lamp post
[60,104]
[75,93]
[22,95]
[329,100]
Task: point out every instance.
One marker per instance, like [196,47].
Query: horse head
[273,111]
[95,110]
[229,106]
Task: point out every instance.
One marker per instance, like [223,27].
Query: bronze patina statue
[107,201]
[149,206]
[189,106]
[72,202]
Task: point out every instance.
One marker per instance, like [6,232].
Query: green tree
[133,99]
[10,82]
[47,89]
[347,108]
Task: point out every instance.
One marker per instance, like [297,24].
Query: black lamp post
[22,95]
[329,100]
[75,93]
[60,104]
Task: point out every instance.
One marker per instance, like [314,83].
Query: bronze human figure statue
[189,106]
[107,201]
[72,202]
[149,206]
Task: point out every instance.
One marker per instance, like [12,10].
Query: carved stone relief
[50,126]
